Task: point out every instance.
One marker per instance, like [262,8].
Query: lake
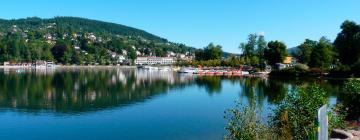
[131,104]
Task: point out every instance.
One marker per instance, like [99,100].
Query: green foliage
[253,51]
[297,71]
[276,52]
[210,52]
[305,49]
[322,54]
[297,113]
[59,52]
[302,67]
[350,98]
[249,48]
[67,40]
[75,24]
[244,124]
[348,42]
[353,87]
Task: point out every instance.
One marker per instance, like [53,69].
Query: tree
[160,52]
[131,53]
[59,51]
[276,52]
[322,54]
[305,49]
[347,43]
[261,46]
[3,51]
[253,50]
[248,49]
[199,55]
[213,52]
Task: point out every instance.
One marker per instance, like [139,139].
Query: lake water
[112,103]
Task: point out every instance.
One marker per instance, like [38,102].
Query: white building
[155,60]
[124,52]
[76,47]
[138,53]
[121,58]
[171,54]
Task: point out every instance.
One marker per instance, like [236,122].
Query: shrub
[351,99]
[301,67]
[296,114]
[341,71]
[243,124]
[291,72]
[294,118]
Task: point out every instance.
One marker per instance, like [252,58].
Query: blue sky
[199,22]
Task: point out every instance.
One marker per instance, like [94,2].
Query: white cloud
[261,33]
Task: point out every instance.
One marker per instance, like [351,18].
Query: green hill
[72,40]
[75,24]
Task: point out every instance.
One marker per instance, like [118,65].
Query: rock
[340,134]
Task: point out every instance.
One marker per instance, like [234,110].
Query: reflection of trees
[80,90]
[276,90]
[212,84]
[256,90]
[92,89]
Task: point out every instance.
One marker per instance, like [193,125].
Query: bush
[243,124]
[296,115]
[291,72]
[351,99]
[301,67]
[341,71]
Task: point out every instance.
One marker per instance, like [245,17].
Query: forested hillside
[72,40]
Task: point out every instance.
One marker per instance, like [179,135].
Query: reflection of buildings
[151,76]
[39,71]
[81,90]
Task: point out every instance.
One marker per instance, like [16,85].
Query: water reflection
[78,90]
[82,90]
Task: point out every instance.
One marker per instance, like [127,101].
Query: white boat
[150,68]
[187,70]
[245,73]
[263,73]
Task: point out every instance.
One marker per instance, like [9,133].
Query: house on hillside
[170,54]
[288,62]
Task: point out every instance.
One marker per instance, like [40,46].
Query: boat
[187,70]
[237,72]
[228,73]
[210,72]
[219,72]
[150,68]
[199,72]
[245,73]
[261,74]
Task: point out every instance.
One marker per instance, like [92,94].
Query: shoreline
[64,66]
[314,77]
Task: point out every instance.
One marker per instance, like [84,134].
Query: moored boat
[210,72]
[187,70]
[237,72]
[199,72]
[228,73]
[245,73]
[219,72]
